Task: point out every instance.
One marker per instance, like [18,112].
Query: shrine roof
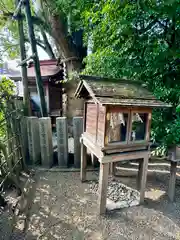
[48,68]
[116,92]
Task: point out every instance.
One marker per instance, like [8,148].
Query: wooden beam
[26,60]
[103,184]
[124,156]
[93,148]
[143,178]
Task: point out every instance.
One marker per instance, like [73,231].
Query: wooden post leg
[83,162]
[103,184]
[139,174]
[112,169]
[92,159]
[143,178]
[172,181]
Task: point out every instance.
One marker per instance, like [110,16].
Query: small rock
[122,204]
[134,203]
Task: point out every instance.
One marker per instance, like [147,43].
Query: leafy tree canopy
[133,39]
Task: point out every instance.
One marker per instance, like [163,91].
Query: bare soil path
[64,208]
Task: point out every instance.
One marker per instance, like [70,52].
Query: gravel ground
[64,208]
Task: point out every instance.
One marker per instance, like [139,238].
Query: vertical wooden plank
[105,126]
[46,142]
[129,127]
[77,130]
[103,184]
[83,162]
[97,116]
[172,181]
[85,111]
[62,141]
[143,178]
[148,126]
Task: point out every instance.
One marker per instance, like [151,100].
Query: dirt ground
[64,208]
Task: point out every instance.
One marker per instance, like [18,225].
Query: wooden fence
[11,151]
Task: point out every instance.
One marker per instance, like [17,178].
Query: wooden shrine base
[106,163]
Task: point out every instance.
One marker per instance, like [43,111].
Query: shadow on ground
[64,208]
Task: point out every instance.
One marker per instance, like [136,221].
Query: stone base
[118,195]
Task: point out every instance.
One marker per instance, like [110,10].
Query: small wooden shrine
[117,119]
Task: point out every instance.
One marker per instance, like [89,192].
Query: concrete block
[33,140]
[62,141]
[45,132]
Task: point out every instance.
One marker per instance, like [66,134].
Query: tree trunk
[67,47]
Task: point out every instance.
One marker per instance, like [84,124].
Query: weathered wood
[143,178]
[172,181]
[93,148]
[103,184]
[83,162]
[62,141]
[125,147]
[140,170]
[123,156]
[148,127]
[77,130]
[112,169]
[85,113]
[97,117]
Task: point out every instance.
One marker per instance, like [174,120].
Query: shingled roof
[116,92]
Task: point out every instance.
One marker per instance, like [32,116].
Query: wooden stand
[106,162]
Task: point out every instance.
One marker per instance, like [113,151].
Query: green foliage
[8,31]
[137,40]
[6,92]
[173,133]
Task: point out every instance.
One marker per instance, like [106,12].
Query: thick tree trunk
[68,49]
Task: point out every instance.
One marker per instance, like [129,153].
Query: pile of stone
[118,194]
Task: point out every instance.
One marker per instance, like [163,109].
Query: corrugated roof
[117,92]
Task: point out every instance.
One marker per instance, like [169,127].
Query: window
[127,126]
[118,127]
[138,126]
